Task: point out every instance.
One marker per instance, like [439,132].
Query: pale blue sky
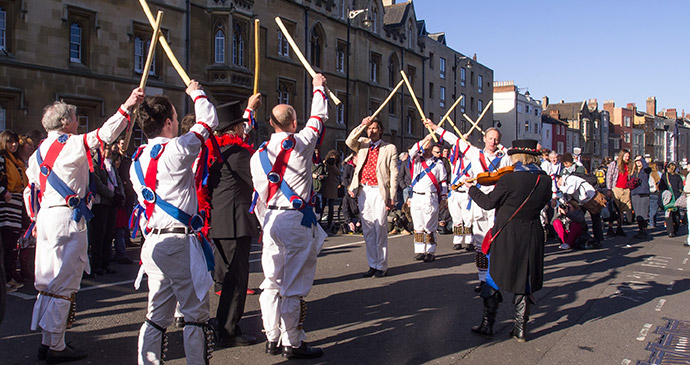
[625,50]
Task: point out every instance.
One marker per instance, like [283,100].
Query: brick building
[92,52]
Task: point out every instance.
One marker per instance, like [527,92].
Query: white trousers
[424,210]
[374,215]
[166,259]
[289,265]
[457,206]
[480,227]
[61,257]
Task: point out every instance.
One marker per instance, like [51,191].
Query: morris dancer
[292,237]
[428,187]
[374,184]
[176,261]
[491,158]
[61,186]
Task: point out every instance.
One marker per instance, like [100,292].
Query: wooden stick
[457,130]
[166,47]
[388,99]
[299,54]
[450,110]
[145,71]
[257,32]
[476,125]
[416,102]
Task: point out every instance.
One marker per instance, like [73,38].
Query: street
[623,304]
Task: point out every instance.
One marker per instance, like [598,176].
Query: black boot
[522,304]
[642,228]
[492,298]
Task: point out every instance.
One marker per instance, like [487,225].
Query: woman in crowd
[516,255]
[12,183]
[617,181]
[672,182]
[639,195]
[330,184]
[570,224]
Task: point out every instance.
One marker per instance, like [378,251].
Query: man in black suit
[232,226]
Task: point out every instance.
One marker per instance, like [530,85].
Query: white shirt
[298,172]
[72,165]
[175,174]
[553,170]
[425,185]
[475,155]
[577,188]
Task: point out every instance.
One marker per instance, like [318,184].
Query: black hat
[229,114]
[527,146]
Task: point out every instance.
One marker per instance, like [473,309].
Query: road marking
[644,331]
[685,261]
[625,362]
[661,304]
[22,295]
[670,286]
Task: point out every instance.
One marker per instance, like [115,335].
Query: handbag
[681,202]
[490,236]
[632,183]
[668,197]
[596,204]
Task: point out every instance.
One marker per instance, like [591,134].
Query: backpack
[601,176]
[589,178]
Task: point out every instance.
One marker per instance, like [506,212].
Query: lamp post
[352,14]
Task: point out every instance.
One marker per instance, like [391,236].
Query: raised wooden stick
[299,54]
[476,124]
[145,71]
[450,110]
[416,102]
[388,99]
[257,32]
[166,47]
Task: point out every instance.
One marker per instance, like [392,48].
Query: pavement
[625,303]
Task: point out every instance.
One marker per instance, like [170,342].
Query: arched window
[219,42]
[3,28]
[393,70]
[316,45]
[238,45]
[75,45]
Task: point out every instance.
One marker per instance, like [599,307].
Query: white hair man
[58,175]
[488,159]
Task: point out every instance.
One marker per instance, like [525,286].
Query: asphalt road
[623,304]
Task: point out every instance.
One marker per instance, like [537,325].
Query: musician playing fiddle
[479,160]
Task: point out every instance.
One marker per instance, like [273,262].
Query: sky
[621,50]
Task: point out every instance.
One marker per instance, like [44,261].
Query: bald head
[284,118]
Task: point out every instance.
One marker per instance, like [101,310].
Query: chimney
[671,113]
[609,105]
[592,104]
[544,102]
[651,105]
[630,106]
[474,58]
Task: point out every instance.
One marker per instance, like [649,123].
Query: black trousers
[673,222]
[232,268]
[101,233]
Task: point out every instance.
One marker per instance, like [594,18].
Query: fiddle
[487,178]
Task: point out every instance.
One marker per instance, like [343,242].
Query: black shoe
[457,246]
[479,287]
[419,256]
[429,257]
[620,232]
[302,352]
[671,234]
[380,273]
[42,351]
[66,355]
[235,341]
[369,273]
[110,271]
[469,248]
[179,322]
[273,348]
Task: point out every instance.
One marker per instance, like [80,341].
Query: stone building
[90,53]
[518,113]
[584,126]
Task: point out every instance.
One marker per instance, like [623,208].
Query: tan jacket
[386,166]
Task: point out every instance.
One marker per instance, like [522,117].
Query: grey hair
[58,115]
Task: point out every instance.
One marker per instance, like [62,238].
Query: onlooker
[404,178]
[12,183]
[349,204]
[673,183]
[318,173]
[330,184]
[617,182]
[570,224]
[27,244]
[102,226]
[583,192]
[570,165]
[640,194]
[654,178]
[121,213]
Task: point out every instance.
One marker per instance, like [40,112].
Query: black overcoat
[230,186]
[517,253]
